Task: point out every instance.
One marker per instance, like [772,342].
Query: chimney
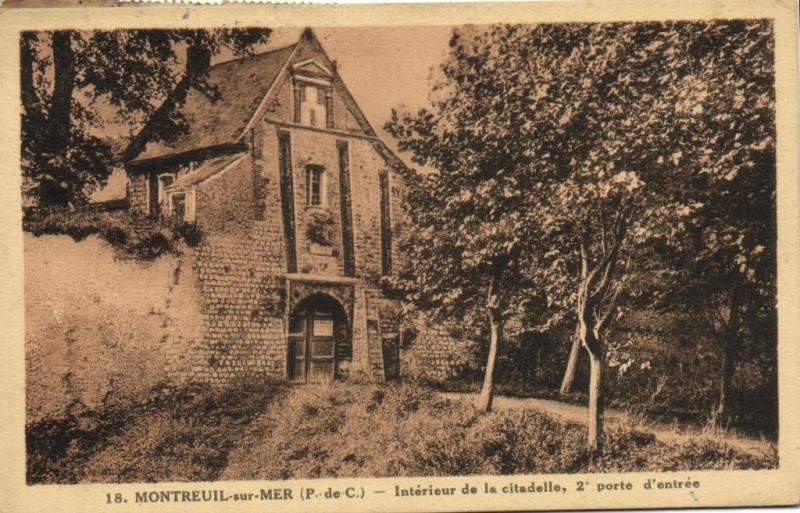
[334,64]
[198,60]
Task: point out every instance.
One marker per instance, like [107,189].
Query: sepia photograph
[258,252]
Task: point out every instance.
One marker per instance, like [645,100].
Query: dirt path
[577,414]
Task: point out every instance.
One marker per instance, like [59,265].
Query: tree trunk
[572,365]
[725,379]
[27,89]
[487,392]
[63,85]
[728,366]
[589,335]
[58,188]
[596,403]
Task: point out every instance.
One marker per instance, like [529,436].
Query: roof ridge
[245,57]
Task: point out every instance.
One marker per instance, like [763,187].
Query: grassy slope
[403,430]
[269,431]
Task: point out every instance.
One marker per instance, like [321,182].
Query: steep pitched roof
[245,87]
[206,171]
[242,84]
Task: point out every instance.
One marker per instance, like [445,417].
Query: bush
[117,236]
[78,224]
[154,245]
[190,233]
[320,228]
[132,235]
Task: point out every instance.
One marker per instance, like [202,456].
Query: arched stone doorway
[319,340]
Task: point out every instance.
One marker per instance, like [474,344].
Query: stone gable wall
[317,149]
[280,107]
[397,191]
[313,147]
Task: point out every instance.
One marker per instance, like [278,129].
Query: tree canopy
[601,159]
[74,83]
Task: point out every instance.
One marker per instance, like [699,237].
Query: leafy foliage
[604,161]
[321,228]
[74,82]
[140,237]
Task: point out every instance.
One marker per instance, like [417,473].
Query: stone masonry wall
[313,147]
[365,164]
[243,303]
[374,335]
[137,193]
[316,149]
[281,107]
[434,353]
[397,191]
[225,202]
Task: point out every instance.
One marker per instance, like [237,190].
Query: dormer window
[313,107]
[317,181]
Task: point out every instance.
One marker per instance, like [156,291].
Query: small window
[178,206]
[312,107]
[317,186]
[164,181]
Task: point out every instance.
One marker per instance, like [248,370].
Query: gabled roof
[201,174]
[245,87]
[242,84]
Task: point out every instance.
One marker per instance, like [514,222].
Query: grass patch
[261,431]
[345,430]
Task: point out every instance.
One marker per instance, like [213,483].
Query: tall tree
[670,137]
[73,82]
[596,139]
[468,227]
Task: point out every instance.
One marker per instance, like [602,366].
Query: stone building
[300,203]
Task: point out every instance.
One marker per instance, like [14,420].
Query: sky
[383,67]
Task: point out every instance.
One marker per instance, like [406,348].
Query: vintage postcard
[401,258]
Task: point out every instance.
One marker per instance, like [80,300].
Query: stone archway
[319,345]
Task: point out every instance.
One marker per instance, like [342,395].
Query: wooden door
[312,345]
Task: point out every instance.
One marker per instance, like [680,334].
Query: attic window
[182,205]
[313,110]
